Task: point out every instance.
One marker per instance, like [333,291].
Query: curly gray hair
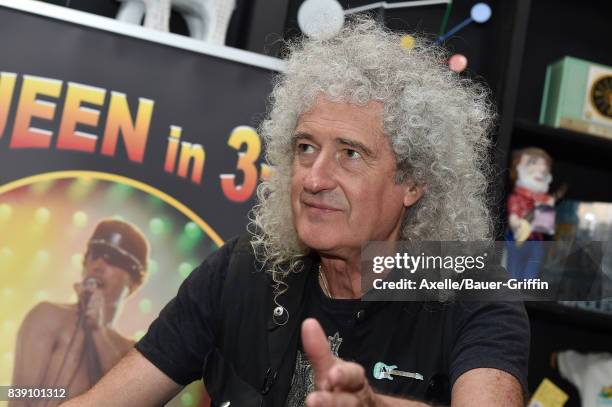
[437,123]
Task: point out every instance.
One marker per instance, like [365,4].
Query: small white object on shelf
[207,20]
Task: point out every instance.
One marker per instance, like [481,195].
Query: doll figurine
[531,212]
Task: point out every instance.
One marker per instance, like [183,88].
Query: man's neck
[110,314]
[343,277]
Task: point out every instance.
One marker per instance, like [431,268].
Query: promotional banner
[123,163]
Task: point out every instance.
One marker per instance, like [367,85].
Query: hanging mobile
[480,13]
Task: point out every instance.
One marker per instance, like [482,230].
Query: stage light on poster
[76,261]
[41,259]
[119,193]
[155,202]
[187,399]
[185,269]
[145,305]
[40,188]
[79,219]
[41,295]
[6,211]
[192,230]
[6,253]
[42,215]
[153,267]
[7,358]
[139,334]
[80,188]
[9,327]
[190,238]
[41,256]
[157,226]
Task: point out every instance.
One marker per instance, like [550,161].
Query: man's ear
[413,193]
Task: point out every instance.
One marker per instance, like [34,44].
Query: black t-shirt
[337,317]
[334,315]
[436,342]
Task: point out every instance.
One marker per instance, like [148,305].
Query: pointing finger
[317,350]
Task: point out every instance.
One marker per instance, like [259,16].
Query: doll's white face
[533,173]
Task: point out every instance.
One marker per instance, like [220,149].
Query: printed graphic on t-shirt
[302,382]
[605,396]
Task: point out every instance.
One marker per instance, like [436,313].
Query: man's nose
[321,175]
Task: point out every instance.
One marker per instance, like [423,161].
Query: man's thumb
[317,350]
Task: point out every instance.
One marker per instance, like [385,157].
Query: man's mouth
[95,281]
[320,206]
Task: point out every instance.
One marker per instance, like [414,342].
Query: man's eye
[352,153]
[305,148]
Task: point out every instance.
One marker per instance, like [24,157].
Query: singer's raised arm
[110,346]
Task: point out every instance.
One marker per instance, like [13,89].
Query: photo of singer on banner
[89,267]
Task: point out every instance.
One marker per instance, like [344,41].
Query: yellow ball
[407,42]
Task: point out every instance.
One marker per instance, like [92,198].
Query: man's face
[533,173]
[342,187]
[112,280]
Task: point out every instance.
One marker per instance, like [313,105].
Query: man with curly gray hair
[368,141]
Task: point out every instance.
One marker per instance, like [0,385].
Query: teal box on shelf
[578,96]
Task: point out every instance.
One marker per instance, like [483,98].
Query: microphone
[89,284]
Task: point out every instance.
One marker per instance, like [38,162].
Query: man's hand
[337,382]
[94,308]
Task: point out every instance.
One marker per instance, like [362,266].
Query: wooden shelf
[577,317]
[549,134]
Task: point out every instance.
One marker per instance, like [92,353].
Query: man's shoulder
[477,316]
[46,309]
[46,316]
[236,255]
[220,259]
[496,313]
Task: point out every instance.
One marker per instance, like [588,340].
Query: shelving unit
[582,161]
[581,318]
[552,30]
[526,131]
